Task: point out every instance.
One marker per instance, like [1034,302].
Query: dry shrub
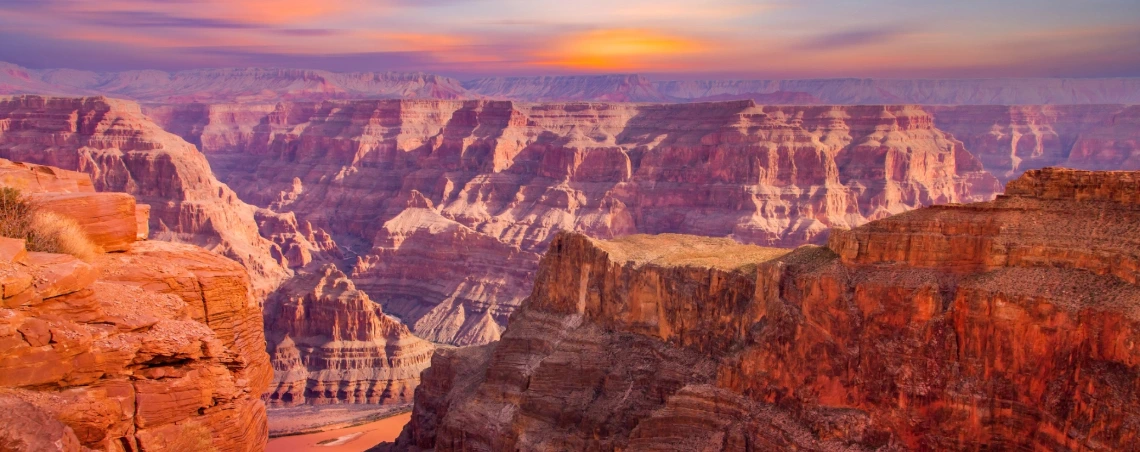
[15,214]
[54,233]
[44,231]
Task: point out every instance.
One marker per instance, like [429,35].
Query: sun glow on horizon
[618,50]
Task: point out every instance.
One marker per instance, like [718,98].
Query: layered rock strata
[1003,325]
[448,204]
[158,347]
[331,344]
[1010,140]
[123,151]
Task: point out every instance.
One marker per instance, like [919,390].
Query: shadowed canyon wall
[1003,325]
[447,204]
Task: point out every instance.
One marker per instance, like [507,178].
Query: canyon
[446,206]
[371,229]
[1002,325]
[151,346]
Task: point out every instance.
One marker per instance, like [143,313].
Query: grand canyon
[238,226]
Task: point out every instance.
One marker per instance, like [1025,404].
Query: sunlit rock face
[1007,325]
[448,204]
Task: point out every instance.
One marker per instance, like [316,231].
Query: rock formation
[1003,325]
[158,347]
[331,344]
[449,203]
[1009,140]
[123,151]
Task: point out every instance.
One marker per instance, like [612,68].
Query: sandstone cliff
[331,344]
[157,347]
[1003,325]
[123,151]
[447,204]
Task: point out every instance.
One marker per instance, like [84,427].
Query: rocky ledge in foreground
[156,347]
[1004,325]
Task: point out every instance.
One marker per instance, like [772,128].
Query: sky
[662,38]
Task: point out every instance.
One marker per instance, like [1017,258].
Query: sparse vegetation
[15,214]
[44,231]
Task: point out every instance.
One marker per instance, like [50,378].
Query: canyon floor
[356,438]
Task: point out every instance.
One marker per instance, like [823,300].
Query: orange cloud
[618,49]
[282,11]
[265,12]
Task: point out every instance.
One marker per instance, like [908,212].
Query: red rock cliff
[1003,325]
[157,347]
[448,203]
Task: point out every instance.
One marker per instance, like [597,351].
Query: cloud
[158,20]
[188,13]
[853,38]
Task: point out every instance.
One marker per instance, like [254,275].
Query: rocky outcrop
[158,347]
[125,152]
[448,204]
[331,344]
[1010,140]
[1003,325]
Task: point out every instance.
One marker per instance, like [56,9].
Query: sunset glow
[813,38]
[619,50]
